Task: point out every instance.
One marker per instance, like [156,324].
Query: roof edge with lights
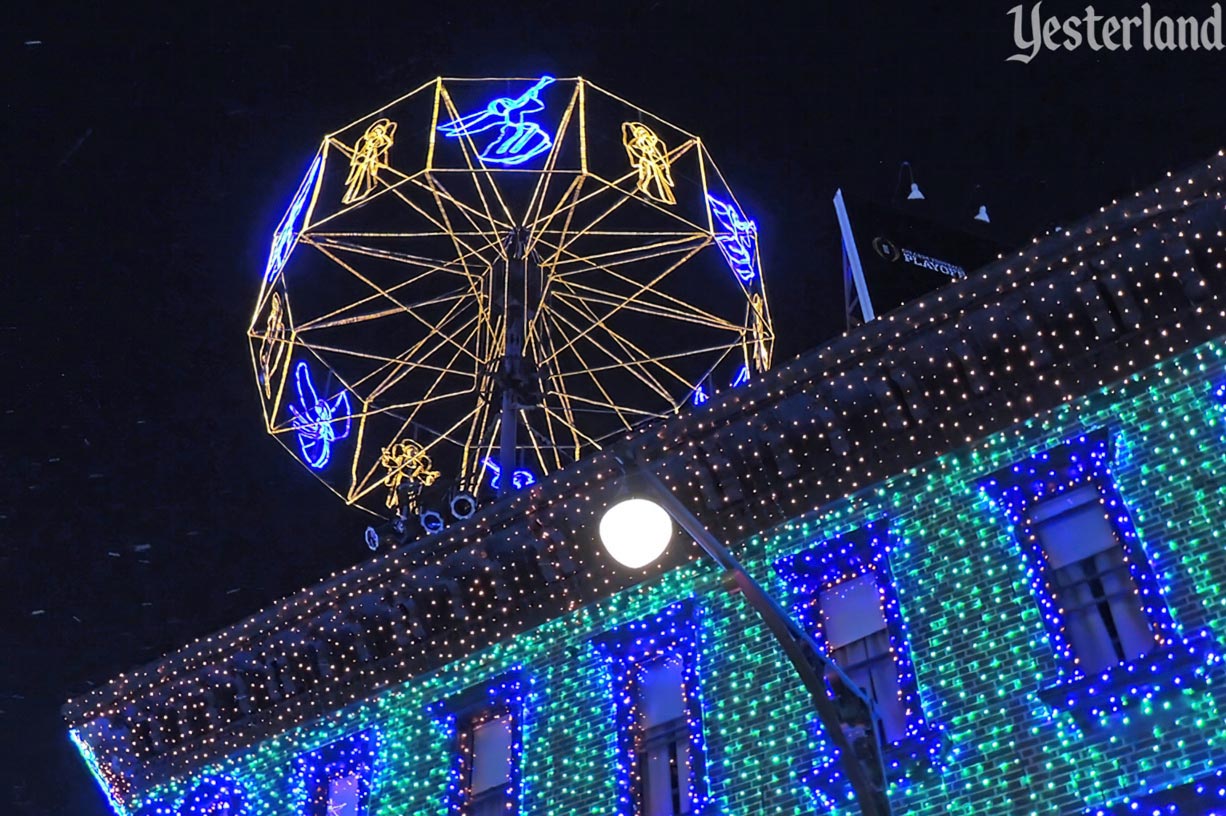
[1140,282]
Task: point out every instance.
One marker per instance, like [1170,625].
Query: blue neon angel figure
[737,239]
[518,140]
[319,422]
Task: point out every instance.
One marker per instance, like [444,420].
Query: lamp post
[636,532]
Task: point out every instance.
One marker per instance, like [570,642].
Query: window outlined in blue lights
[519,140]
[287,231]
[1047,500]
[338,779]
[854,567]
[485,726]
[661,750]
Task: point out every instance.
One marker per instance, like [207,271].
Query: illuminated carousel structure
[481,282]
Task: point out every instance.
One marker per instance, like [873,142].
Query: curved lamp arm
[808,659]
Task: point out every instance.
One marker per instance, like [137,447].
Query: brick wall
[1007,739]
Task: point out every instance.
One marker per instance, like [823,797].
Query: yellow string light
[370,154]
[649,155]
[405,460]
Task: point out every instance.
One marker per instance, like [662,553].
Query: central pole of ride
[516,377]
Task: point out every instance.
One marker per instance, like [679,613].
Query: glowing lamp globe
[636,532]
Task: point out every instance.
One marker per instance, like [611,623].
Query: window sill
[1186,663]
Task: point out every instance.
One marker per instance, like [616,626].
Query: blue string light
[353,756]
[458,718]
[1202,797]
[519,478]
[287,230]
[214,796]
[110,783]
[670,635]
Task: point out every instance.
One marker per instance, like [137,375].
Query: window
[485,724]
[488,744]
[344,795]
[336,780]
[1105,622]
[662,739]
[1100,600]
[654,674]
[843,595]
[858,640]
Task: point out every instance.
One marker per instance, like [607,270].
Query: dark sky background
[151,152]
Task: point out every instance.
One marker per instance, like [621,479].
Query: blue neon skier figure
[518,140]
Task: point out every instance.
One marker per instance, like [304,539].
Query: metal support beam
[517,380]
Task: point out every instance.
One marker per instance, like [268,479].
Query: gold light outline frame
[466,206]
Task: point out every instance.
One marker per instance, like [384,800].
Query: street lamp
[636,531]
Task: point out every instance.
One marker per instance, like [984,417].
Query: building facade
[999,509]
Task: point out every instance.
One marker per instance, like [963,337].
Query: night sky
[150,157]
